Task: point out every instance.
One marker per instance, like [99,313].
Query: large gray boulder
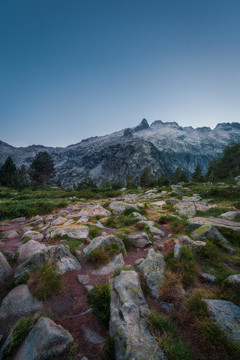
[128,320]
[139,240]
[5,269]
[185,240]
[72,232]
[102,241]
[208,231]
[28,249]
[32,235]
[45,339]
[218,223]
[227,315]
[118,207]
[185,208]
[19,302]
[58,254]
[153,269]
[234,280]
[230,215]
[94,210]
[11,234]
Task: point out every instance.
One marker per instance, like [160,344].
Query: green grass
[168,338]
[211,212]
[232,236]
[94,231]
[103,255]
[99,299]
[45,281]
[73,246]
[131,210]
[176,225]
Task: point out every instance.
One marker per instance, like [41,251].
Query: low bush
[104,255]
[99,299]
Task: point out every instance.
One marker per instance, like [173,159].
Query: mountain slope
[125,153]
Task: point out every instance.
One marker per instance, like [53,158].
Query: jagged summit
[124,154]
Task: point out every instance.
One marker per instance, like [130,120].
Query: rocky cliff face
[124,154]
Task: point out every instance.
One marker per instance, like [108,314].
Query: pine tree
[197,175]
[179,176]
[146,177]
[8,173]
[42,168]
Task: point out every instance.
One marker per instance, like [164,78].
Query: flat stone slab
[59,221]
[102,241]
[72,232]
[32,235]
[185,208]
[116,263]
[158,203]
[218,223]
[208,231]
[118,207]
[94,210]
[229,215]
[227,315]
[28,249]
[11,234]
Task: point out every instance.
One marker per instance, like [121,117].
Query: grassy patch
[94,231]
[176,225]
[45,281]
[73,246]
[104,255]
[232,236]
[211,212]
[168,338]
[99,299]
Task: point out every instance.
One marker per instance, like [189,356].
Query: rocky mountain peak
[142,126]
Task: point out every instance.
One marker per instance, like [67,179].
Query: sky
[71,69]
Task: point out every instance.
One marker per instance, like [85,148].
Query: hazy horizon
[72,70]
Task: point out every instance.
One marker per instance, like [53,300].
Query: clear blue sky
[71,69]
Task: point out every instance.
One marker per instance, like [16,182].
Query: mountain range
[162,146]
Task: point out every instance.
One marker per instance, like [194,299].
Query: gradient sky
[71,69]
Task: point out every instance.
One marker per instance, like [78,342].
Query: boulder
[218,223]
[5,269]
[139,240]
[234,280]
[230,215]
[208,231]
[227,315]
[128,320]
[44,340]
[156,231]
[92,336]
[63,212]
[58,254]
[185,208]
[118,207]
[153,269]
[18,303]
[83,279]
[83,219]
[177,251]
[158,203]
[116,263]
[11,234]
[94,210]
[72,232]
[59,221]
[101,241]
[193,244]
[208,278]
[139,216]
[32,235]
[28,249]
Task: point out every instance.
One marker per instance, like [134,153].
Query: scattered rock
[88,287]
[72,232]
[234,280]
[32,235]
[227,316]
[116,263]
[128,320]
[177,251]
[5,269]
[187,241]
[118,207]
[94,210]
[63,212]
[12,234]
[45,339]
[101,241]
[83,279]
[49,218]
[185,208]
[139,240]
[18,303]
[208,231]
[153,269]
[93,337]
[83,219]
[58,254]
[208,278]
[28,249]
[155,230]
[229,215]
[139,216]
[218,223]
[59,221]
[158,203]
[138,261]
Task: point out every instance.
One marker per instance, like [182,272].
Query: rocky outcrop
[118,207]
[94,210]
[101,242]
[28,249]
[5,269]
[139,240]
[227,316]
[208,231]
[116,263]
[153,269]
[218,223]
[71,232]
[44,340]
[58,254]
[128,321]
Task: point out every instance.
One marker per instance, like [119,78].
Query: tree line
[40,172]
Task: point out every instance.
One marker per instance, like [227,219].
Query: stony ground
[157,234]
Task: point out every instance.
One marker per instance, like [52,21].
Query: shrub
[104,255]
[45,281]
[107,350]
[99,299]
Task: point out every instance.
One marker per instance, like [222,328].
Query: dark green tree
[41,171]
[146,177]
[197,175]
[179,176]
[21,178]
[162,181]
[8,173]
